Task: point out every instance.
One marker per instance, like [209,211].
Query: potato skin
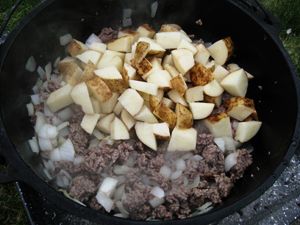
[184,117]
[75,48]
[200,75]
[230,46]
[143,67]
[153,102]
[165,114]
[141,51]
[71,71]
[179,84]
[99,89]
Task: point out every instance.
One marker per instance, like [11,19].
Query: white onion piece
[40,121]
[49,165]
[205,206]
[35,99]
[108,186]
[61,140]
[187,156]
[158,192]
[54,142]
[105,201]
[185,181]
[121,179]
[64,132]
[30,64]
[55,155]
[197,157]
[120,215]
[63,179]
[47,174]
[195,183]
[48,70]
[121,169]
[67,151]
[122,209]
[33,143]
[92,38]
[35,89]
[119,193]
[98,134]
[180,164]
[30,109]
[220,143]
[230,143]
[230,161]
[65,39]
[48,131]
[68,196]
[41,72]
[62,126]
[56,62]
[176,174]
[154,7]
[78,160]
[47,111]
[94,143]
[154,202]
[45,144]
[165,171]
[65,114]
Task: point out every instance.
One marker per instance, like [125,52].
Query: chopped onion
[165,171]
[33,143]
[41,72]
[47,111]
[154,202]
[55,155]
[176,174]
[122,209]
[119,193]
[230,161]
[180,164]
[63,179]
[64,132]
[187,156]
[230,143]
[62,126]
[61,140]
[67,151]
[195,183]
[92,38]
[127,22]
[105,201]
[35,99]
[49,165]
[78,160]
[197,157]
[220,143]
[234,124]
[154,7]
[48,70]
[108,186]
[121,179]
[205,206]
[30,109]
[158,192]
[56,62]
[98,134]
[185,181]
[121,169]
[65,39]
[47,174]
[94,143]
[45,144]
[69,197]
[48,131]
[30,64]
[65,114]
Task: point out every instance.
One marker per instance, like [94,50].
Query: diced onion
[62,126]
[49,165]
[105,201]
[154,202]
[180,164]
[33,143]
[30,64]
[92,39]
[48,70]
[65,39]
[35,99]
[165,171]
[158,192]
[119,193]
[154,7]
[195,183]
[55,155]
[47,174]
[47,111]
[108,186]
[176,174]
[63,179]
[64,132]
[40,121]
[121,169]
[67,151]
[98,134]
[68,196]
[41,72]
[122,209]
[65,114]
[187,156]
[45,144]
[56,62]
[30,109]
[56,121]
[220,143]
[230,143]
[47,131]
[197,157]
[230,161]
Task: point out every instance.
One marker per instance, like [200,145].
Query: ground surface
[287,11]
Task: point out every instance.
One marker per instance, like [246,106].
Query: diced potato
[104,123]
[247,130]
[236,83]
[89,56]
[122,44]
[89,122]
[219,125]
[155,48]
[185,36]
[70,70]
[130,71]
[161,131]
[118,108]
[60,98]
[221,50]
[184,44]
[96,105]
[202,55]
[183,60]
[144,132]
[179,84]
[156,65]
[232,67]
[168,102]
[183,140]
[213,89]
[80,96]
[215,100]
[143,67]
[76,47]
[220,72]
[200,75]
[145,115]
[165,114]
[128,57]
[131,101]
[146,31]
[240,108]
[184,117]
[109,59]
[168,59]
[168,40]
[145,87]
[176,97]
[201,110]
[142,49]
[99,89]
[127,119]
[119,130]
[210,65]
[161,78]
[98,46]
[88,72]
[172,70]
[109,105]
[169,27]
[153,102]
[194,94]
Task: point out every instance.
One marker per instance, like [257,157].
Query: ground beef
[50,86]
[203,141]
[107,34]
[82,188]
[224,185]
[244,159]
[161,212]
[95,205]
[69,167]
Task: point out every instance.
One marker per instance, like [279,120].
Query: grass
[11,210]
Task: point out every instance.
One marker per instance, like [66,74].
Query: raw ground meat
[244,159]
[107,34]
[82,188]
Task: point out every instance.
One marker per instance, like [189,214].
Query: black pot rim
[24,173]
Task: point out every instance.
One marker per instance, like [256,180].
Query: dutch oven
[258,49]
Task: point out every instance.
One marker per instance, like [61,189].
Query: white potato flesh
[168,40]
[219,73]
[176,97]
[145,115]
[194,94]
[240,112]
[221,128]
[168,102]
[131,101]
[127,119]
[219,52]
[122,44]
[154,47]
[183,139]
[183,60]
[202,55]
[184,44]
[213,88]
[201,110]
[236,83]
[107,59]
[145,87]
[104,123]
[161,130]
[89,55]
[96,105]
[145,31]
[128,58]
[168,60]
[247,130]
[145,134]
[97,46]
[119,130]
[109,73]
[161,78]
[109,105]
[60,98]
[118,109]
[89,122]
[80,96]
[131,72]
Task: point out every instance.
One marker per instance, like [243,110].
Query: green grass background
[287,11]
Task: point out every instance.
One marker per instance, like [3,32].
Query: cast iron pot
[258,49]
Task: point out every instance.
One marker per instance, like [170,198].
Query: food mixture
[142,124]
